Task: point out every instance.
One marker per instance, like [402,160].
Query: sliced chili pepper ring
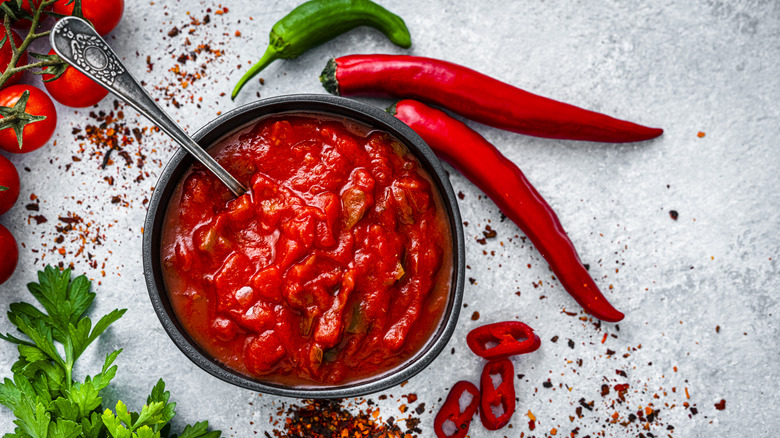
[511,338]
[502,395]
[451,410]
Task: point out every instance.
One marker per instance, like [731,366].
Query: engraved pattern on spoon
[92,54]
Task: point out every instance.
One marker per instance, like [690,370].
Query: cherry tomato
[9,256]
[5,58]
[9,178]
[35,134]
[103,14]
[74,89]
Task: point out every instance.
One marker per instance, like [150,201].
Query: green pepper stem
[270,55]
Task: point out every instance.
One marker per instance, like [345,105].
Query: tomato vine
[12,12]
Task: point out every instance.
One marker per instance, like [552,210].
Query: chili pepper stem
[331,84]
[271,54]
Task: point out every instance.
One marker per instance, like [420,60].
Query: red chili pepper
[512,338]
[494,396]
[506,185]
[474,96]
[450,410]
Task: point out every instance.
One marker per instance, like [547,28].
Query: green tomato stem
[8,121]
[31,36]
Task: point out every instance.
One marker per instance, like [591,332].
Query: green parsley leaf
[150,415]
[146,432]
[114,424]
[198,430]
[64,301]
[44,398]
[102,379]
[93,426]
[160,395]
[66,409]
[65,429]
[32,418]
[85,396]
[39,332]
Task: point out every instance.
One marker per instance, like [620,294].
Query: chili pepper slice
[450,410]
[474,96]
[318,21]
[506,185]
[512,338]
[493,396]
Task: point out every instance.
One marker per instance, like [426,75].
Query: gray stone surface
[686,66]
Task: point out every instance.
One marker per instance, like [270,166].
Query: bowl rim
[319,103]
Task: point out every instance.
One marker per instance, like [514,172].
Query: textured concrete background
[686,66]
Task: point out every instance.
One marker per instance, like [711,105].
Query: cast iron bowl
[306,103]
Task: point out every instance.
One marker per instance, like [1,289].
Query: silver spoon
[78,44]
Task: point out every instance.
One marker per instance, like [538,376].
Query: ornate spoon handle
[77,43]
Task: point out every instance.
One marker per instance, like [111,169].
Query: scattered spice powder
[194,45]
[342,418]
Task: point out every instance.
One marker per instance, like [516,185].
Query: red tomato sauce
[334,267]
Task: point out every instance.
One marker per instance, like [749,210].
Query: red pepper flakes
[331,419]
[721,405]
[411,398]
[700,134]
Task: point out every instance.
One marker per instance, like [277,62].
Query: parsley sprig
[45,400]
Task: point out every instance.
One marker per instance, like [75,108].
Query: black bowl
[306,103]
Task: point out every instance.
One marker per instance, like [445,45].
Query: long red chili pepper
[493,396]
[474,96]
[450,410]
[506,185]
[510,338]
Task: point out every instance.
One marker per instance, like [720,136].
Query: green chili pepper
[318,21]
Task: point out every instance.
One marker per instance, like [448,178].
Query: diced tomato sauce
[334,267]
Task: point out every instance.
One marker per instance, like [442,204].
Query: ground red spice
[342,419]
